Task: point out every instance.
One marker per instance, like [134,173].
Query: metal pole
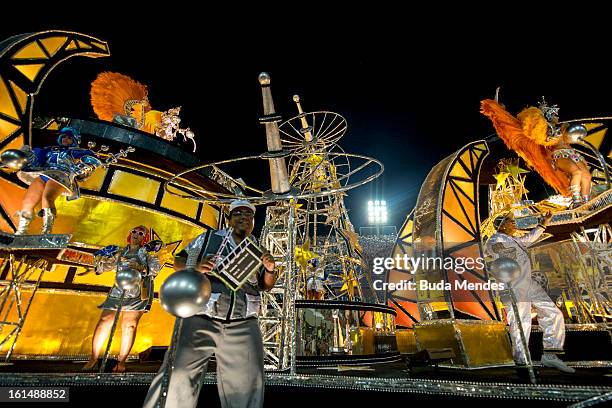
[292,288]
[112,333]
[169,363]
[517,319]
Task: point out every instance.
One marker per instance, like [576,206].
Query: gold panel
[476,343]
[597,138]
[6,103]
[407,230]
[31,50]
[94,182]
[30,70]
[363,340]
[209,216]
[406,341]
[56,274]
[53,44]
[134,186]
[453,232]
[453,206]
[71,46]
[84,217]
[61,323]
[21,95]
[83,45]
[10,197]
[181,205]
[466,186]
[458,171]
[7,128]
[465,158]
[104,279]
[100,45]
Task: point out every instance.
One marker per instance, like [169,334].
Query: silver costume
[528,293]
[228,328]
[132,300]
[64,165]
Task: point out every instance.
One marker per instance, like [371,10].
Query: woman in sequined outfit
[538,139]
[136,301]
[50,172]
[569,161]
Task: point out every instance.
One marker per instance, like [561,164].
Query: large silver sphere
[127,278]
[264,78]
[576,133]
[185,293]
[505,269]
[13,159]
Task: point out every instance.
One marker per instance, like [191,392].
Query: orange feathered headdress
[526,135]
[111,92]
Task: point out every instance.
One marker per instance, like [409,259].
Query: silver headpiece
[551,112]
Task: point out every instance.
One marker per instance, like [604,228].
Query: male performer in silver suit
[528,293]
[227,327]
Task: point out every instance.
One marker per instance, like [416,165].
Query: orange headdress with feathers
[113,93]
[526,135]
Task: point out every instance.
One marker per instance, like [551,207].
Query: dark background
[409,83]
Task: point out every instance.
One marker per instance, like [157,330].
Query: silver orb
[13,159]
[264,78]
[505,269]
[576,133]
[127,278]
[185,293]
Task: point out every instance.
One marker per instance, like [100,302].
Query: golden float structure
[48,297]
[449,220]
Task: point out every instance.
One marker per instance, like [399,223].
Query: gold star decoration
[349,283]
[314,159]
[303,254]
[501,179]
[515,170]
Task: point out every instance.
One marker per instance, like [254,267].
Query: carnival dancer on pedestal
[137,255]
[118,98]
[528,293]
[50,171]
[545,146]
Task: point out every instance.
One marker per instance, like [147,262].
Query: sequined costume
[528,293]
[112,258]
[64,165]
[566,153]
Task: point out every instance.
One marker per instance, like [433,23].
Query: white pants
[550,319]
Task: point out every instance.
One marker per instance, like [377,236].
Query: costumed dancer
[226,327]
[314,280]
[137,301]
[49,172]
[544,145]
[118,98]
[528,293]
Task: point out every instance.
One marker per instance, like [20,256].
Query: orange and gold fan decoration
[114,94]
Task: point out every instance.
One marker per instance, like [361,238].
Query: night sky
[410,94]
